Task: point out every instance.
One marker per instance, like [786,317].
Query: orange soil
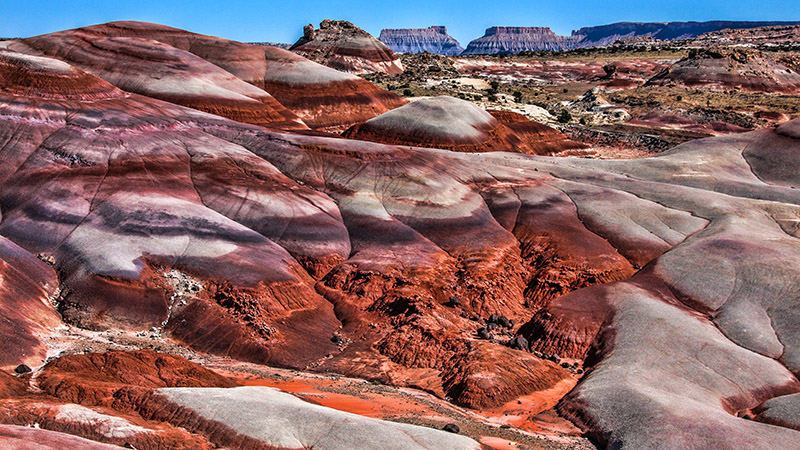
[524,411]
[532,413]
[362,403]
[498,443]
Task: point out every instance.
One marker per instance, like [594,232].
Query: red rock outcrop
[724,69]
[343,46]
[458,125]
[539,138]
[117,378]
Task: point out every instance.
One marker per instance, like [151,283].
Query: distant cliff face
[417,40]
[608,34]
[511,40]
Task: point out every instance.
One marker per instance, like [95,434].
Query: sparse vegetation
[561,98]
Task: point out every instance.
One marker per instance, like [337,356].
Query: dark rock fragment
[519,343]
[451,428]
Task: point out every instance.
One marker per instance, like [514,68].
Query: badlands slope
[664,289]
[251,83]
[733,68]
[449,123]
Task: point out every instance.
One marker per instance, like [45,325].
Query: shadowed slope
[26,314]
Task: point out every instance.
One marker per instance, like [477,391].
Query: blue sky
[282,21]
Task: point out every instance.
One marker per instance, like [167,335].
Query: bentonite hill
[210,244]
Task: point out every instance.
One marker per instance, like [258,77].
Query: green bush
[408,93]
[564,116]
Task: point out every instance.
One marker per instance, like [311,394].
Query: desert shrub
[564,116]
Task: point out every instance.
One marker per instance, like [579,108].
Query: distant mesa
[603,35]
[343,46]
[724,68]
[512,40]
[417,40]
